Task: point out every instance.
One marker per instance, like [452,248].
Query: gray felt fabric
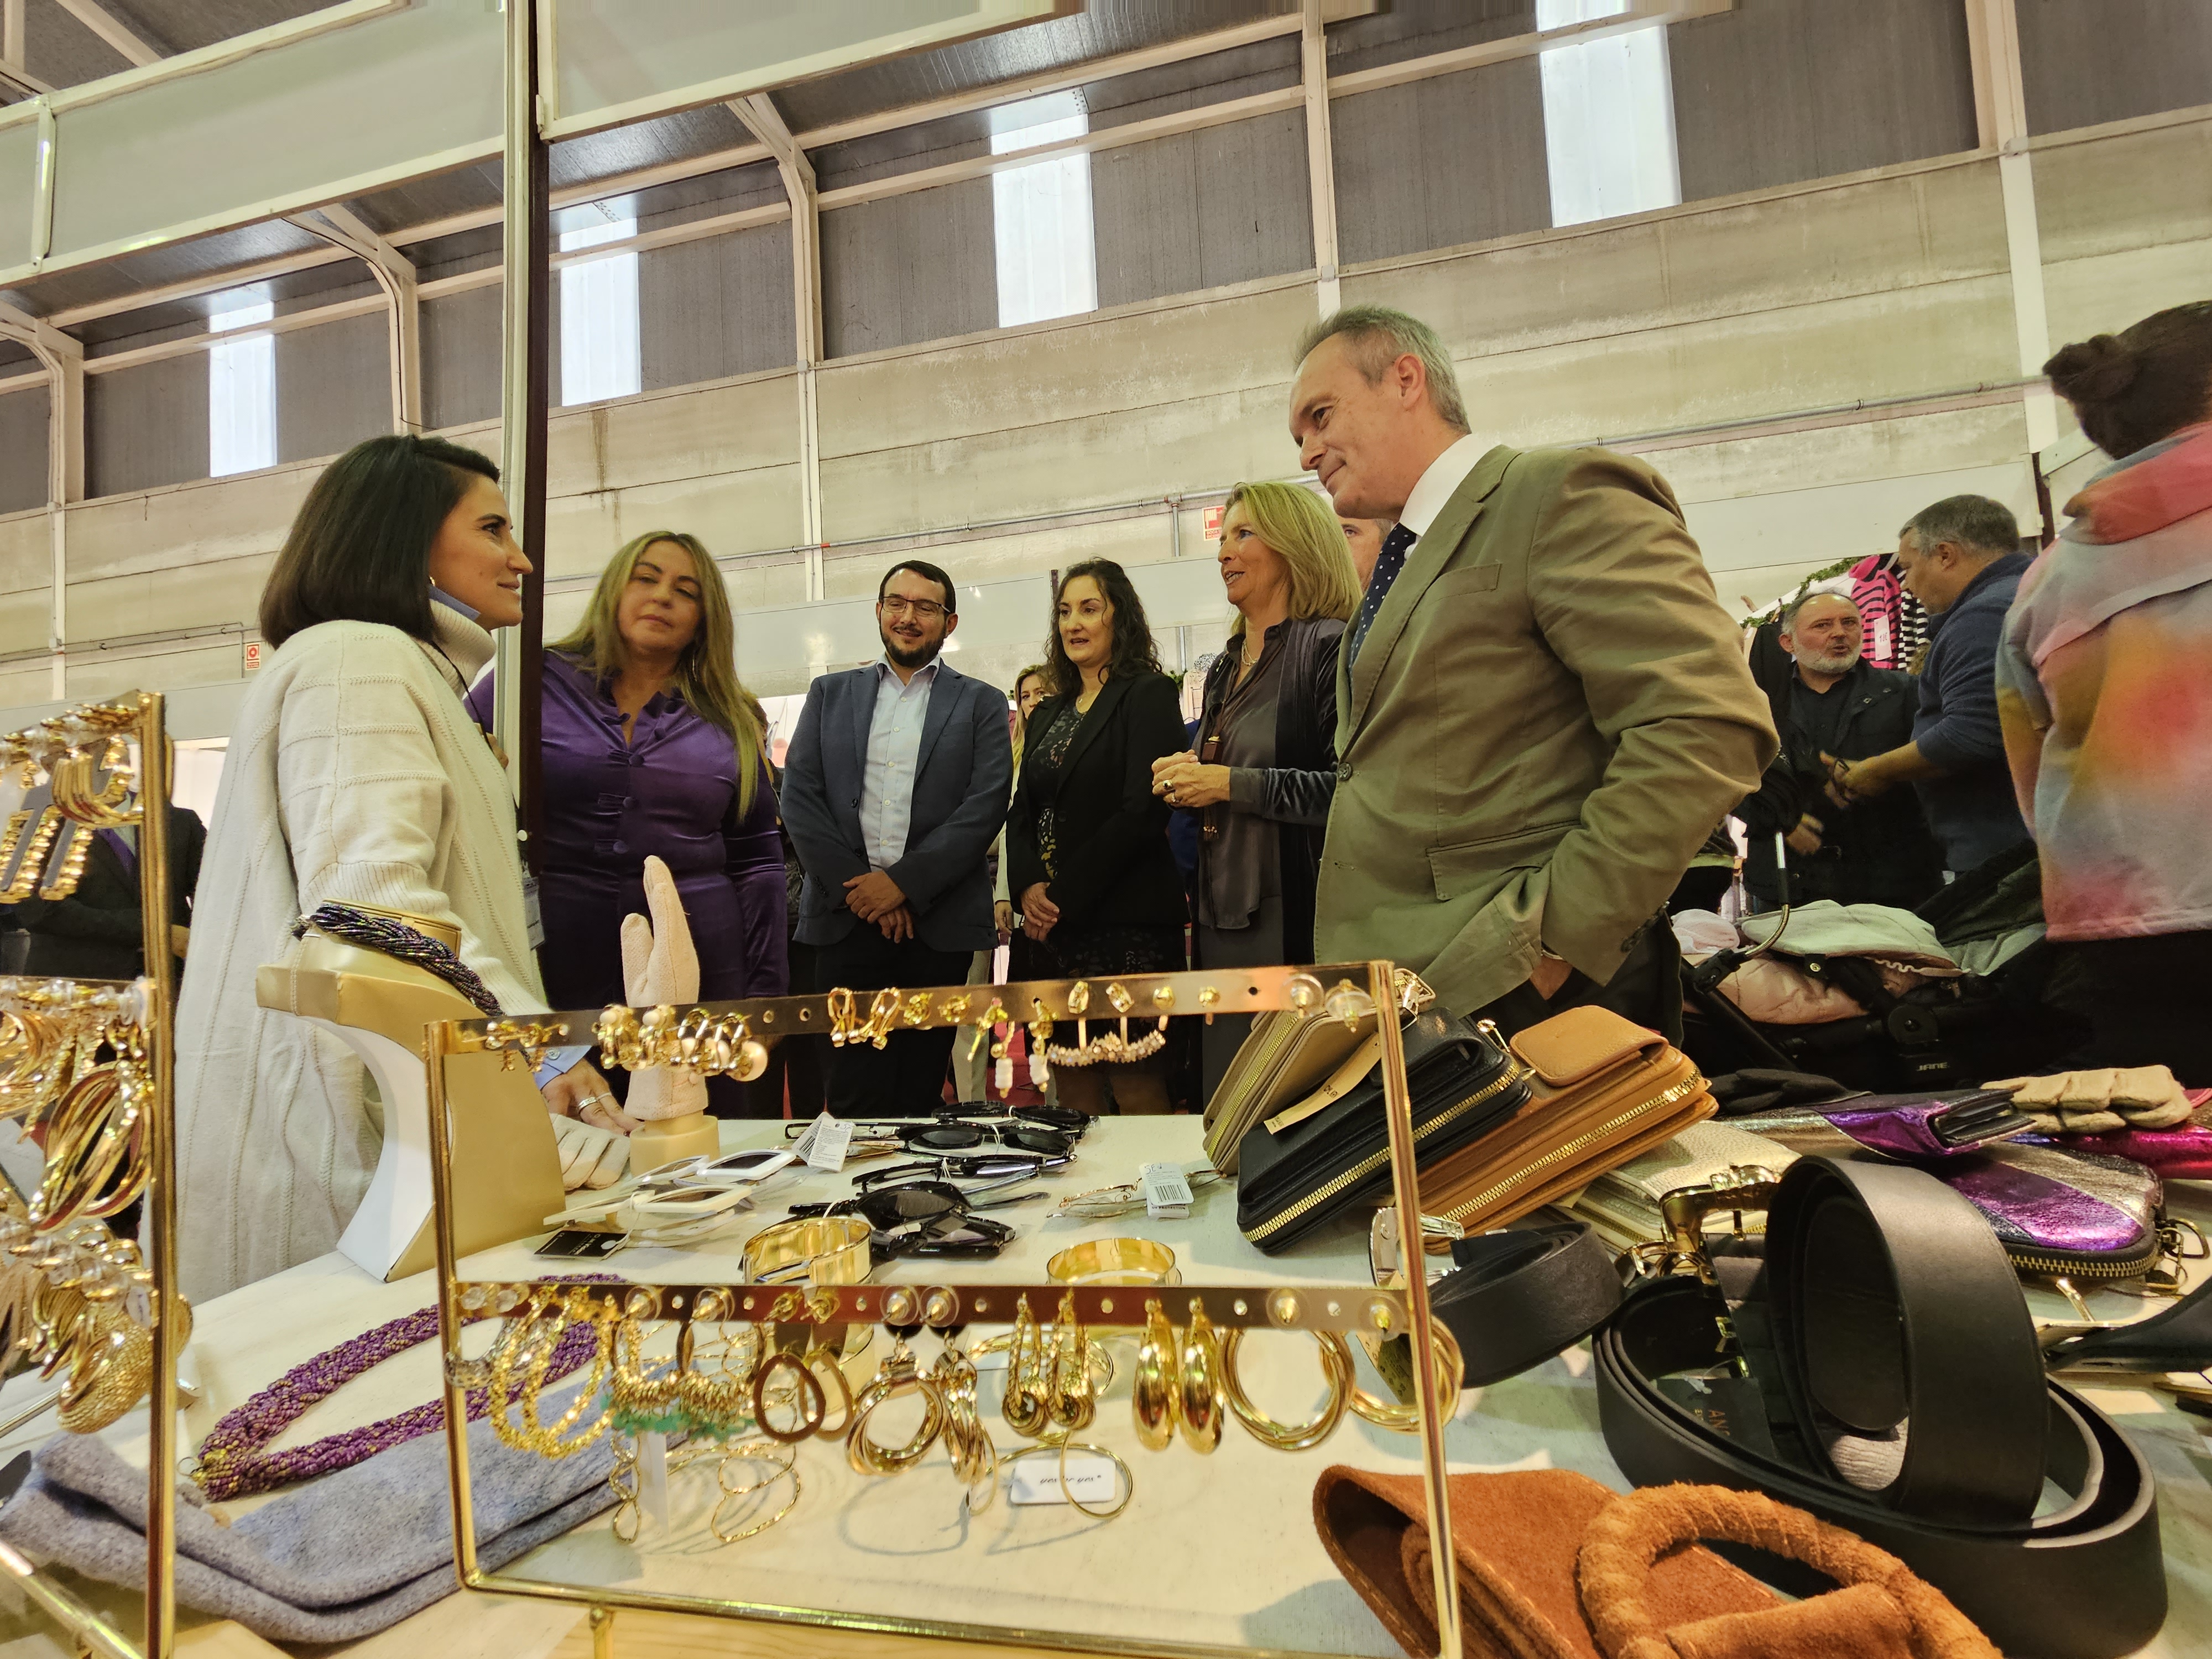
[330,1561]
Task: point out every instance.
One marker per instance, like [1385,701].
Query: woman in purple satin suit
[652,748]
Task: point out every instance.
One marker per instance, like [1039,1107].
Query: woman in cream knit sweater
[354,775]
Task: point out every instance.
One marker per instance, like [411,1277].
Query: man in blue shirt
[1961,559]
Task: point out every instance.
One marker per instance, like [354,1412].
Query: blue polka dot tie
[1387,564]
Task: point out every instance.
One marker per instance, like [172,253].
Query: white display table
[1219,1550]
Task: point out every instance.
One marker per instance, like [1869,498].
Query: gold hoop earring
[1024,1405]
[839,1007]
[1157,1382]
[814,1402]
[1336,1366]
[1069,1397]
[975,1459]
[881,1012]
[1199,1382]
[898,1375]
[1405,1417]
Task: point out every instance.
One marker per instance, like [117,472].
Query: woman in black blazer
[1100,893]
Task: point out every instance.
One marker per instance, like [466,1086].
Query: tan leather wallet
[1606,1089]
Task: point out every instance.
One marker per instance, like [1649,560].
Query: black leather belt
[1518,1298]
[1903,1342]
[2085,1581]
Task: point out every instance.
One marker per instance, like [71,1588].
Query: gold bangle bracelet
[1336,1365]
[1115,1261]
[831,1250]
[1405,1418]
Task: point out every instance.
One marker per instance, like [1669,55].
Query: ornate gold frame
[62,746]
[1293,1307]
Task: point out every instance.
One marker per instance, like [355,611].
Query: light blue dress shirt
[894,753]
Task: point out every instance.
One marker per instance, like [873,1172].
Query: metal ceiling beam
[2001,118]
[759,113]
[62,358]
[111,29]
[1644,13]
[340,226]
[1320,156]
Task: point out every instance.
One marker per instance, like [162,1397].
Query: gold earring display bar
[1345,991]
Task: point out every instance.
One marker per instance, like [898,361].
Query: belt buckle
[1742,1188]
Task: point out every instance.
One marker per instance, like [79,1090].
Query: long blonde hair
[706,672]
[1291,520]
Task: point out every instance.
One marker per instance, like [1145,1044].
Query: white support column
[1320,163]
[11,32]
[2000,122]
[62,358]
[758,112]
[341,226]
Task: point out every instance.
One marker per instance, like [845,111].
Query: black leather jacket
[1298,787]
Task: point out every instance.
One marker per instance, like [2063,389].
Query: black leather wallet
[1337,1160]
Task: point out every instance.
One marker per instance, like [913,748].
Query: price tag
[1094,1481]
[653,1477]
[824,1144]
[1166,1189]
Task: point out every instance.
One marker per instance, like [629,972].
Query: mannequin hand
[659,966]
[590,1157]
[581,1093]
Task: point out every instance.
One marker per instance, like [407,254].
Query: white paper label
[824,1144]
[1880,651]
[1166,1189]
[1094,1481]
[652,1478]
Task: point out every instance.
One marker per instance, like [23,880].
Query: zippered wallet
[1329,1154]
[1602,1089]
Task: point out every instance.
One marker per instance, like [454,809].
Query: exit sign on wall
[1214,524]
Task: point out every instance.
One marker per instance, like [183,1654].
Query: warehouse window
[600,355]
[1041,212]
[242,393]
[1608,118]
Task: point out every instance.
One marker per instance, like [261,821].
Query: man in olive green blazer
[1542,709]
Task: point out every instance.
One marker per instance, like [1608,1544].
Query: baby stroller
[1988,1016]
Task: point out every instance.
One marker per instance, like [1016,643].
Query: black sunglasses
[924,1217]
[992,1169]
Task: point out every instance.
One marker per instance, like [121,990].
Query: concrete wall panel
[146,426]
[707,430]
[1489,122]
[194,525]
[2128,190]
[156,601]
[22,449]
[333,386]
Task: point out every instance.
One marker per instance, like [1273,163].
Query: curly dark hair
[1134,653]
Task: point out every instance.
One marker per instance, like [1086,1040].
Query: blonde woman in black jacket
[1264,767]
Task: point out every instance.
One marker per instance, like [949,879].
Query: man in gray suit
[894,789]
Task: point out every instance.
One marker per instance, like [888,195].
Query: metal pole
[437,1044]
[1398,1113]
[161,990]
[526,308]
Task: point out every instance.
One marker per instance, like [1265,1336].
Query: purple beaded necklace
[232,1463]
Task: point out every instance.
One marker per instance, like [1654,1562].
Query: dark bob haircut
[1134,653]
[360,548]
[928,572]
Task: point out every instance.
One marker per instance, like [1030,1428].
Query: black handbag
[1300,1168]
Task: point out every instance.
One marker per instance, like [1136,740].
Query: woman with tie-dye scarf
[2104,689]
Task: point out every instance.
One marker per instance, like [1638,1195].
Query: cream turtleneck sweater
[355,775]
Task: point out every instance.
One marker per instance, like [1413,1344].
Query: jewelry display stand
[789,1323]
[110,767]
[508,1173]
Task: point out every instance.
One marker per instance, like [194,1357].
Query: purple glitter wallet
[2059,1211]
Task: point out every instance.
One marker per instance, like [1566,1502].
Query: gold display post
[1334,990]
[161,1177]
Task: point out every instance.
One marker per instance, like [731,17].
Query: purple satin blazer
[670,792]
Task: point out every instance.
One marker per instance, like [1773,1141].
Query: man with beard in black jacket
[1831,704]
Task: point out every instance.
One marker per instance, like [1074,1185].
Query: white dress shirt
[1445,474]
[894,754]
